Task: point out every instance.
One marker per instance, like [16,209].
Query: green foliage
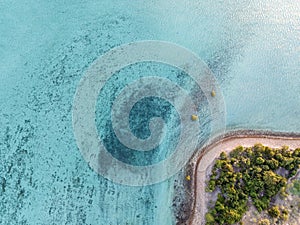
[284,214]
[295,189]
[212,185]
[264,222]
[209,218]
[223,155]
[274,212]
[236,152]
[272,163]
[283,193]
[261,203]
[296,152]
[250,173]
[260,160]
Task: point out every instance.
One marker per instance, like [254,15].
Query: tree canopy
[250,174]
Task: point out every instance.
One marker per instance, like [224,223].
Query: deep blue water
[45,48]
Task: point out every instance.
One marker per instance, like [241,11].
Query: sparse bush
[284,214]
[209,218]
[264,222]
[295,187]
[274,212]
[223,155]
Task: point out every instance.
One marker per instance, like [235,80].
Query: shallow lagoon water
[45,47]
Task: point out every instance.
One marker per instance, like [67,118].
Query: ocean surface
[252,48]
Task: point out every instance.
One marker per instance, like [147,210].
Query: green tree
[209,219]
[274,212]
[260,160]
[223,155]
[284,214]
[250,173]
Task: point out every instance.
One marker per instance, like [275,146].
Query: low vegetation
[247,176]
[295,187]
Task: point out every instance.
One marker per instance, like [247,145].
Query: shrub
[284,214]
[274,212]
[296,187]
[260,160]
[223,155]
[209,218]
[211,185]
[296,152]
[264,222]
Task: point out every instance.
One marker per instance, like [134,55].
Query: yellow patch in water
[213,93]
[194,117]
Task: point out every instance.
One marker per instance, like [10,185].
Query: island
[245,178]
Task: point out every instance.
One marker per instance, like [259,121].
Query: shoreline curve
[203,158]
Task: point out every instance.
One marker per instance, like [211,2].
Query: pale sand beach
[203,162]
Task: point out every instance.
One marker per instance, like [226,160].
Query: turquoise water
[45,47]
